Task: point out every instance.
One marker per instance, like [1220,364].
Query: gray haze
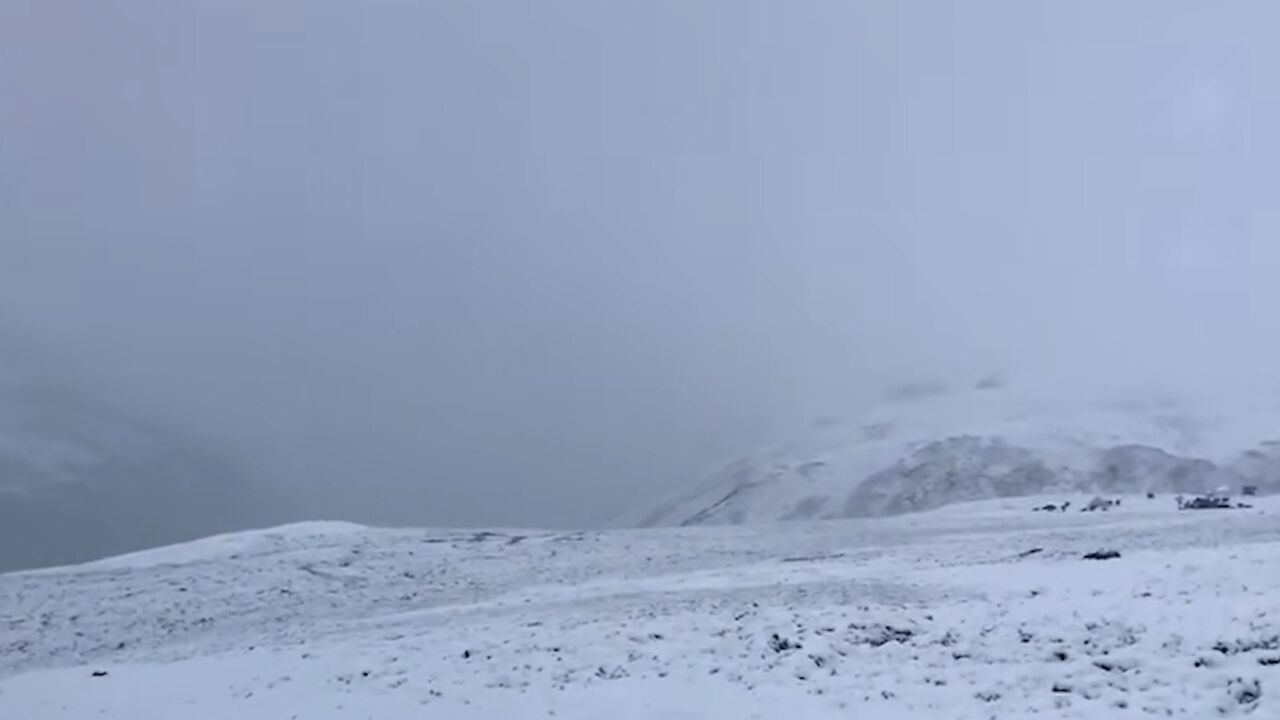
[532,262]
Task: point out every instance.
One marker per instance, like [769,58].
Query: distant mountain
[80,480]
[928,447]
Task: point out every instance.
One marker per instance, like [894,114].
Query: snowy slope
[973,611]
[936,448]
[80,479]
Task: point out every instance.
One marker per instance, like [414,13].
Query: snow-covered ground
[984,610]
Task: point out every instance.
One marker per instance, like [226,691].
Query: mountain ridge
[932,447]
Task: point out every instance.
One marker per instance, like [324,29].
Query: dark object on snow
[1151,496]
[1245,692]
[1029,553]
[877,635]
[1205,502]
[1248,645]
[99,673]
[1102,555]
[1046,508]
[1249,490]
[812,558]
[1066,505]
[1100,504]
[780,644]
[1244,506]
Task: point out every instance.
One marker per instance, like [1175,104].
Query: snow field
[985,610]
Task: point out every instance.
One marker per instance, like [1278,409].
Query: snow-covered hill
[970,612]
[933,447]
[80,479]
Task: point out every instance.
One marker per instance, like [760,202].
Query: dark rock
[878,635]
[1206,502]
[1244,646]
[1102,555]
[779,644]
[1245,692]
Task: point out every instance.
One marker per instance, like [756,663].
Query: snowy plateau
[976,610]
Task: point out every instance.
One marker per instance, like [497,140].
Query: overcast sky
[531,262]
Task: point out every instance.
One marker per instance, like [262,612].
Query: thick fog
[530,263]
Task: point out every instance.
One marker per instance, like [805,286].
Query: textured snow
[935,448]
[976,610]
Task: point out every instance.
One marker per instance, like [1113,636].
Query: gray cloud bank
[532,262]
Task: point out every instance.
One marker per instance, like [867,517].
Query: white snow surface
[978,610]
[941,447]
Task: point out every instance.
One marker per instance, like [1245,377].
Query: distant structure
[1249,490]
[1219,499]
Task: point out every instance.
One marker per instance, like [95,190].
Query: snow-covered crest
[930,447]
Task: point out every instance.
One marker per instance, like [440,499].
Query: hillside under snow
[972,612]
[936,448]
